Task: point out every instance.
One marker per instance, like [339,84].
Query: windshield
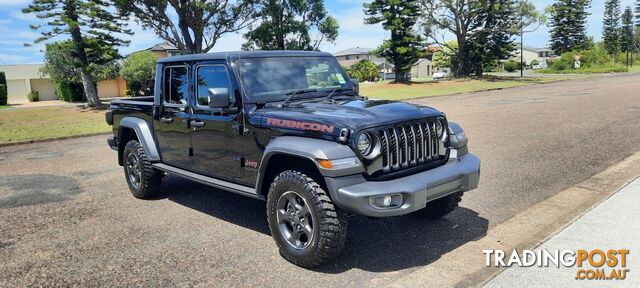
[270,79]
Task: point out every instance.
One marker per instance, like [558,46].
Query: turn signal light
[325,163]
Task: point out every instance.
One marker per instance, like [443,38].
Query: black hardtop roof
[242,54]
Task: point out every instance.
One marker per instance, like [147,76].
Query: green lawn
[393,91]
[41,123]
[635,68]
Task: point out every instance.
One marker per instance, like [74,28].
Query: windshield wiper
[292,94]
[339,89]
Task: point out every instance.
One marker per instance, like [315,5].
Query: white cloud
[30,17]
[141,39]
[354,32]
[14,2]
[15,59]
[229,42]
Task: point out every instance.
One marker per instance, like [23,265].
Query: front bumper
[458,175]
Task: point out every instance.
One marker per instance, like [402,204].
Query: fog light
[387,201]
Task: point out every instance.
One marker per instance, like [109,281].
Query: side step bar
[209,181]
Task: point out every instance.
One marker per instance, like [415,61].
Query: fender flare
[311,149]
[145,136]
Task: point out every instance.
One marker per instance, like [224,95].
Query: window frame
[196,86]
[164,69]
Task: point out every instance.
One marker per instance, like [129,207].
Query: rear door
[172,130]
[217,144]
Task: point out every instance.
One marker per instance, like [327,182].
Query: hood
[330,118]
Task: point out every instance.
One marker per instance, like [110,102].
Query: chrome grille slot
[409,145]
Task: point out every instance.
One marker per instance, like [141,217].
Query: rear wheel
[143,180]
[439,208]
[305,224]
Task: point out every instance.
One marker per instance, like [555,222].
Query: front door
[215,132]
[172,128]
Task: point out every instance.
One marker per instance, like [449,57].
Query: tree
[404,47]
[443,58]
[139,69]
[492,41]
[285,25]
[627,33]
[364,70]
[637,10]
[63,67]
[568,22]
[193,26]
[89,23]
[482,29]
[611,27]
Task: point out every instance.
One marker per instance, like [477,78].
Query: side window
[214,76]
[176,85]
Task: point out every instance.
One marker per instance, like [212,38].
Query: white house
[530,53]
[24,78]
[423,68]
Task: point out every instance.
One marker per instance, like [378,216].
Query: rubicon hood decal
[309,126]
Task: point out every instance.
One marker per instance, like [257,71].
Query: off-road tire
[330,223]
[149,178]
[439,208]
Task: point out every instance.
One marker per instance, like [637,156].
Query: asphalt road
[67,218]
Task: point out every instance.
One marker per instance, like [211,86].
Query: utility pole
[521,49]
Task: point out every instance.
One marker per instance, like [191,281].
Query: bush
[560,65]
[511,66]
[364,70]
[589,70]
[139,70]
[70,92]
[34,96]
[3,94]
[3,89]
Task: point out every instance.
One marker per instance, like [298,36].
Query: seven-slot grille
[408,145]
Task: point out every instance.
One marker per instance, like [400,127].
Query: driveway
[67,218]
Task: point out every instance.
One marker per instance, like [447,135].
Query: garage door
[46,90]
[17,91]
[108,89]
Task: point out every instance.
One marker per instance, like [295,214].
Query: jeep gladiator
[290,128]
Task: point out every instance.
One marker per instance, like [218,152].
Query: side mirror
[218,97]
[356,85]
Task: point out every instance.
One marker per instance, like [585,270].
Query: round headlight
[364,143]
[439,127]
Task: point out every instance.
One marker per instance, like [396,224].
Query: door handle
[166,119]
[196,123]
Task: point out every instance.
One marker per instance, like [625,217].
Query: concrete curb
[53,139]
[464,266]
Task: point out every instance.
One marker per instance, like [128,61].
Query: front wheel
[305,224]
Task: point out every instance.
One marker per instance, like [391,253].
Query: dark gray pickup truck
[290,128]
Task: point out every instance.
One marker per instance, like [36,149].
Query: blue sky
[14,31]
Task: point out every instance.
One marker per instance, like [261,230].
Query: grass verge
[27,124]
[419,89]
